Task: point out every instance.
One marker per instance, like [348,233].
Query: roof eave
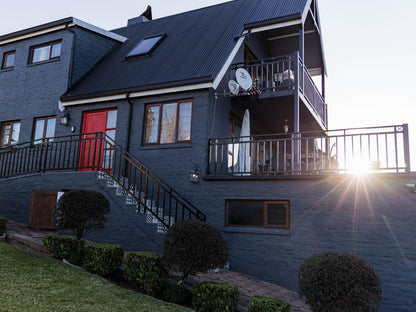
[277,20]
[154,87]
[54,26]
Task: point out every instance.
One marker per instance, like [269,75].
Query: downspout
[129,122]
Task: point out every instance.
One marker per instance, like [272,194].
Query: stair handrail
[44,164]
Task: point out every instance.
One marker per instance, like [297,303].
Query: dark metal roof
[196,47]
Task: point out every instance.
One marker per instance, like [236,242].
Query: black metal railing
[98,152]
[356,150]
[285,73]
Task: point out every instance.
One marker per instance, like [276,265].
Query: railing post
[406,147]
[296,156]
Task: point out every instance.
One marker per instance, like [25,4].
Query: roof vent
[144,17]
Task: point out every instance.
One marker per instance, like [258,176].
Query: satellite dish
[234,87]
[243,78]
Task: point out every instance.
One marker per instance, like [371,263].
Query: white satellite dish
[234,87]
[243,78]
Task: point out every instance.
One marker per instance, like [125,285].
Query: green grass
[31,283]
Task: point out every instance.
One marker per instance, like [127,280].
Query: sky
[369,49]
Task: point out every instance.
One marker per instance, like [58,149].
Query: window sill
[7,69]
[263,231]
[43,62]
[163,146]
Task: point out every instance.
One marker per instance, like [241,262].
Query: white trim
[277,25]
[99,30]
[227,63]
[290,35]
[206,85]
[37,33]
[306,11]
[95,100]
[77,22]
[139,94]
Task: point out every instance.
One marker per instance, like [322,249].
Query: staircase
[141,188]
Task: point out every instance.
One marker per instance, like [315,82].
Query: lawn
[29,282]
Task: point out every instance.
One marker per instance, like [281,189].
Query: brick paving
[248,286]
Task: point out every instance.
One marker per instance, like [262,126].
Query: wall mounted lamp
[286,127]
[65,118]
[195,175]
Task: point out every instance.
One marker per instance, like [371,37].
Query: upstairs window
[10,131]
[258,213]
[8,60]
[44,128]
[45,52]
[147,45]
[168,123]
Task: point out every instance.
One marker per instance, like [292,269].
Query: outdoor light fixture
[286,127]
[65,118]
[194,175]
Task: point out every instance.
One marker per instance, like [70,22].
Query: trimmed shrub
[215,297]
[63,247]
[193,246]
[147,271]
[3,225]
[339,282]
[102,259]
[177,294]
[81,211]
[267,304]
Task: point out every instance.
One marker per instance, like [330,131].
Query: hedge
[102,259]
[267,304]
[64,247]
[215,297]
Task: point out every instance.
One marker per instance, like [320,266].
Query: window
[8,60]
[44,128]
[258,213]
[147,45]
[45,52]
[168,123]
[10,133]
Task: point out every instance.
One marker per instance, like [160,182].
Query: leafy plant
[215,297]
[193,246]
[147,271]
[339,282]
[177,294]
[102,259]
[267,304]
[3,225]
[63,247]
[81,211]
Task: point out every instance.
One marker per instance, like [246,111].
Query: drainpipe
[129,122]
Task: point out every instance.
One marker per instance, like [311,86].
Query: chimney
[144,17]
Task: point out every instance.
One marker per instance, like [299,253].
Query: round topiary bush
[339,282]
[193,246]
[81,211]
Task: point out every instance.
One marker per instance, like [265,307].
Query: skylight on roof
[146,45]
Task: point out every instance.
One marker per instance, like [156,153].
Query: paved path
[248,286]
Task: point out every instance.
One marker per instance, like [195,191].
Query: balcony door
[94,151]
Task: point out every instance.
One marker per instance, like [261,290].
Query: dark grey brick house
[154,112]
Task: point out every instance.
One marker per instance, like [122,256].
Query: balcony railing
[283,74]
[347,151]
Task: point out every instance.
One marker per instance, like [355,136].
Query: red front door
[93,143]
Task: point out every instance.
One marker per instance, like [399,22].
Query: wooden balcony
[346,151]
[285,75]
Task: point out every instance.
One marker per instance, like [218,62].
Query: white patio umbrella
[244,148]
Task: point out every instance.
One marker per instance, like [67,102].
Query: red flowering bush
[339,282]
[193,246]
